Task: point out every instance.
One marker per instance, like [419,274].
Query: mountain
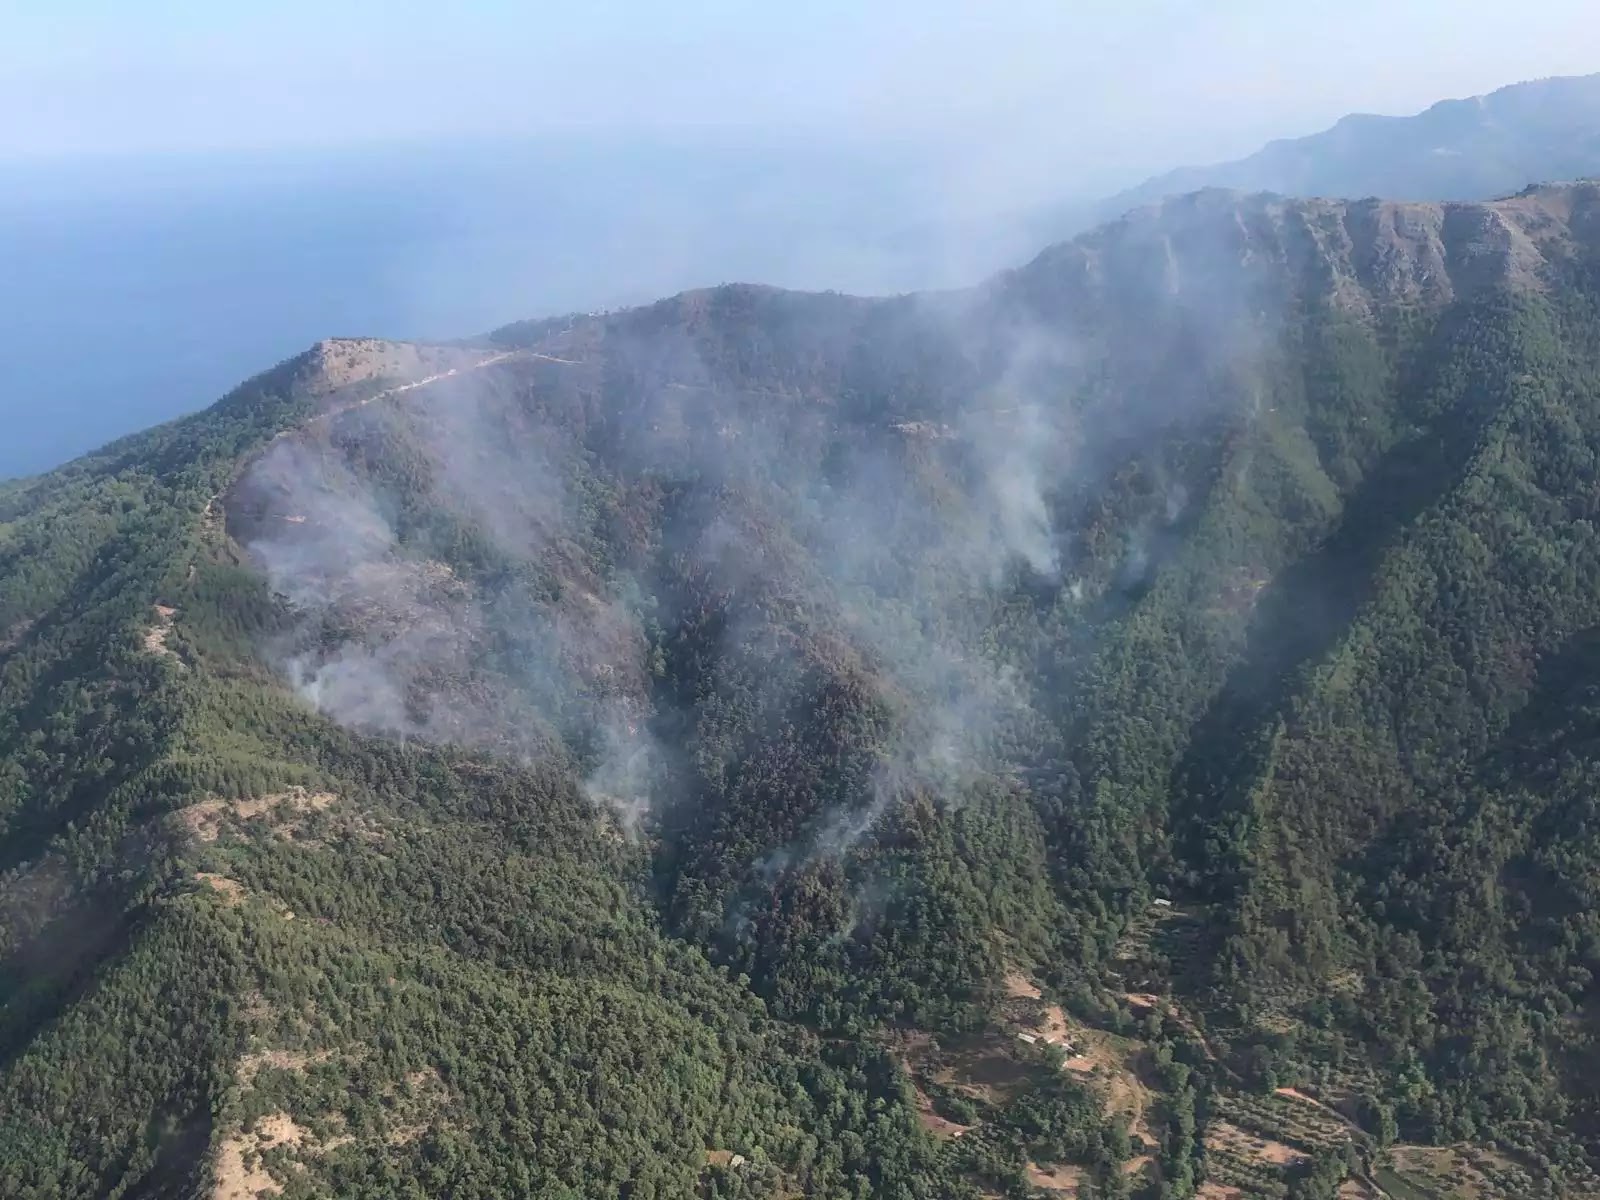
[1123,729]
[1472,149]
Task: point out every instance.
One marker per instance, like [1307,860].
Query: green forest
[1131,729]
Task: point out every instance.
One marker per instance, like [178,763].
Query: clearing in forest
[155,638]
[283,812]
[240,1170]
[1058,1177]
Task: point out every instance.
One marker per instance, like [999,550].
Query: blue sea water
[138,290]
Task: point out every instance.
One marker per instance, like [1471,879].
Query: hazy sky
[1114,87]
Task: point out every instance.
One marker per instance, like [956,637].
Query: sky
[1108,89]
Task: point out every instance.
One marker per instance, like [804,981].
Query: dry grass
[155,638]
[296,799]
[340,362]
[1225,1138]
[1347,981]
[283,812]
[239,1168]
[1297,1094]
[1059,1177]
[1018,987]
[231,890]
[1354,1189]
[239,1171]
[982,1069]
[233,893]
[1448,1170]
[203,820]
[991,1067]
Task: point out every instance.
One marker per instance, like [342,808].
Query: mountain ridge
[1474,148]
[687,753]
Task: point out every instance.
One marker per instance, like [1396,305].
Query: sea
[139,289]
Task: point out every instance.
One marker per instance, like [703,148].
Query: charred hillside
[684,750]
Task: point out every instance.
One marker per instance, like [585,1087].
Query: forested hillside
[1124,730]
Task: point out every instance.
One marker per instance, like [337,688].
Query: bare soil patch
[930,1120]
[340,362]
[295,800]
[203,820]
[983,1071]
[282,811]
[1059,1177]
[1227,1138]
[239,1170]
[155,638]
[1135,1165]
[1354,1189]
[1054,1029]
[230,889]
[1018,987]
[1035,1020]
